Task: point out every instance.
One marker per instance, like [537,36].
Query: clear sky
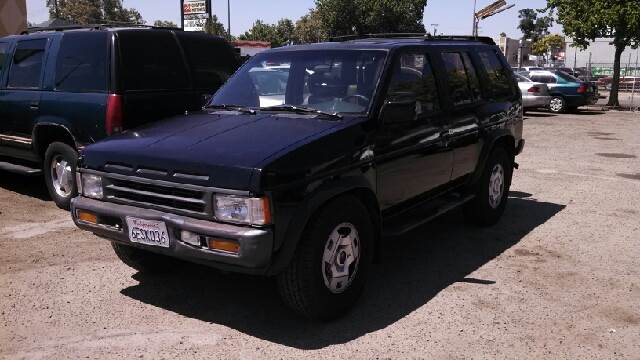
[453,16]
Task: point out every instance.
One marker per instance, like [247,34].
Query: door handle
[34,105]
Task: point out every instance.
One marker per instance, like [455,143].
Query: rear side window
[460,85]
[545,79]
[211,60]
[27,64]
[151,60]
[413,78]
[4,49]
[82,62]
[499,87]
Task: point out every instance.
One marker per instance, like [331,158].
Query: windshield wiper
[300,110]
[232,107]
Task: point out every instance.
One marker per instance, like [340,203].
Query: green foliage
[586,20]
[93,11]
[165,23]
[533,27]
[279,34]
[547,43]
[309,29]
[346,17]
[214,27]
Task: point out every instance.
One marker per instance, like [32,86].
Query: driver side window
[413,80]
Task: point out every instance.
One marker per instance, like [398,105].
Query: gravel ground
[557,278]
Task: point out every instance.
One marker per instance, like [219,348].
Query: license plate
[148,232]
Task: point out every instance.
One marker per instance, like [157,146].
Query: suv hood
[225,146]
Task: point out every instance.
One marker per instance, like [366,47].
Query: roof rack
[425,36]
[93,27]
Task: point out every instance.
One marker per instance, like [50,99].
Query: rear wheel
[60,173]
[492,190]
[328,272]
[558,104]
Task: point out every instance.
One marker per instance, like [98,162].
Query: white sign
[193,7]
[195,22]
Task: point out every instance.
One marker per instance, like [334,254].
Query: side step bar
[420,215]
[20,169]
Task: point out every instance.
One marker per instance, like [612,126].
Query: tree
[278,35]
[547,44]
[586,20]
[165,23]
[214,27]
[93,11]
[533,27]
[346,17]
[284,31]
[309,29]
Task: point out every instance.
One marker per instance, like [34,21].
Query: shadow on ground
[426,261]
[33,186]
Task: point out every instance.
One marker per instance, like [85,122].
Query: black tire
[61,195]
[144,261]
[561,107]
[481,211]
[302,284]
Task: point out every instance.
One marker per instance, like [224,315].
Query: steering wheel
[360,99]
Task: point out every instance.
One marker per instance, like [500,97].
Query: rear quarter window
[82,63]
[151,60]
[499,78]
[211,60]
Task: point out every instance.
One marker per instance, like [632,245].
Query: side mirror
[398,112]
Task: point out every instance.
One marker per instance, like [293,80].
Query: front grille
[176,198]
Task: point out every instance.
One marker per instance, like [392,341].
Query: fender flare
[314,201]
[59,126]
[498,136]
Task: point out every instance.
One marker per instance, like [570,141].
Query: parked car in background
[567,92]
[534,95]
[371,138]
[627,83]
[64,88]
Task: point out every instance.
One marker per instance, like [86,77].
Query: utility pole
[229,18]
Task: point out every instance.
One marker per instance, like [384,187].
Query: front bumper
[256,244]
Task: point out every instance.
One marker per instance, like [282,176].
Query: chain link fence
[602,74]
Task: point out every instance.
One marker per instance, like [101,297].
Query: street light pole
[473,29]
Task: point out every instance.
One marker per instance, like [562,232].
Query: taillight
[113,121]
[534,89]
[583,88]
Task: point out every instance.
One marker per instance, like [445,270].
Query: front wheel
[492,190]
[60,173]
[558,104]
[328,272]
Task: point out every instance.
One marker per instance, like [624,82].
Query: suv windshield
[334,81]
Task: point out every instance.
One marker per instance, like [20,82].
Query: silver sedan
[534,95]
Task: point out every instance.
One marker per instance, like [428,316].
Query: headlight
[254,211]
[92,186]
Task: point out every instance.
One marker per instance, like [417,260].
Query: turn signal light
[88,217]
[225,245]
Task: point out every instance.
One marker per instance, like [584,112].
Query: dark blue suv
[308,159]
[61,89]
